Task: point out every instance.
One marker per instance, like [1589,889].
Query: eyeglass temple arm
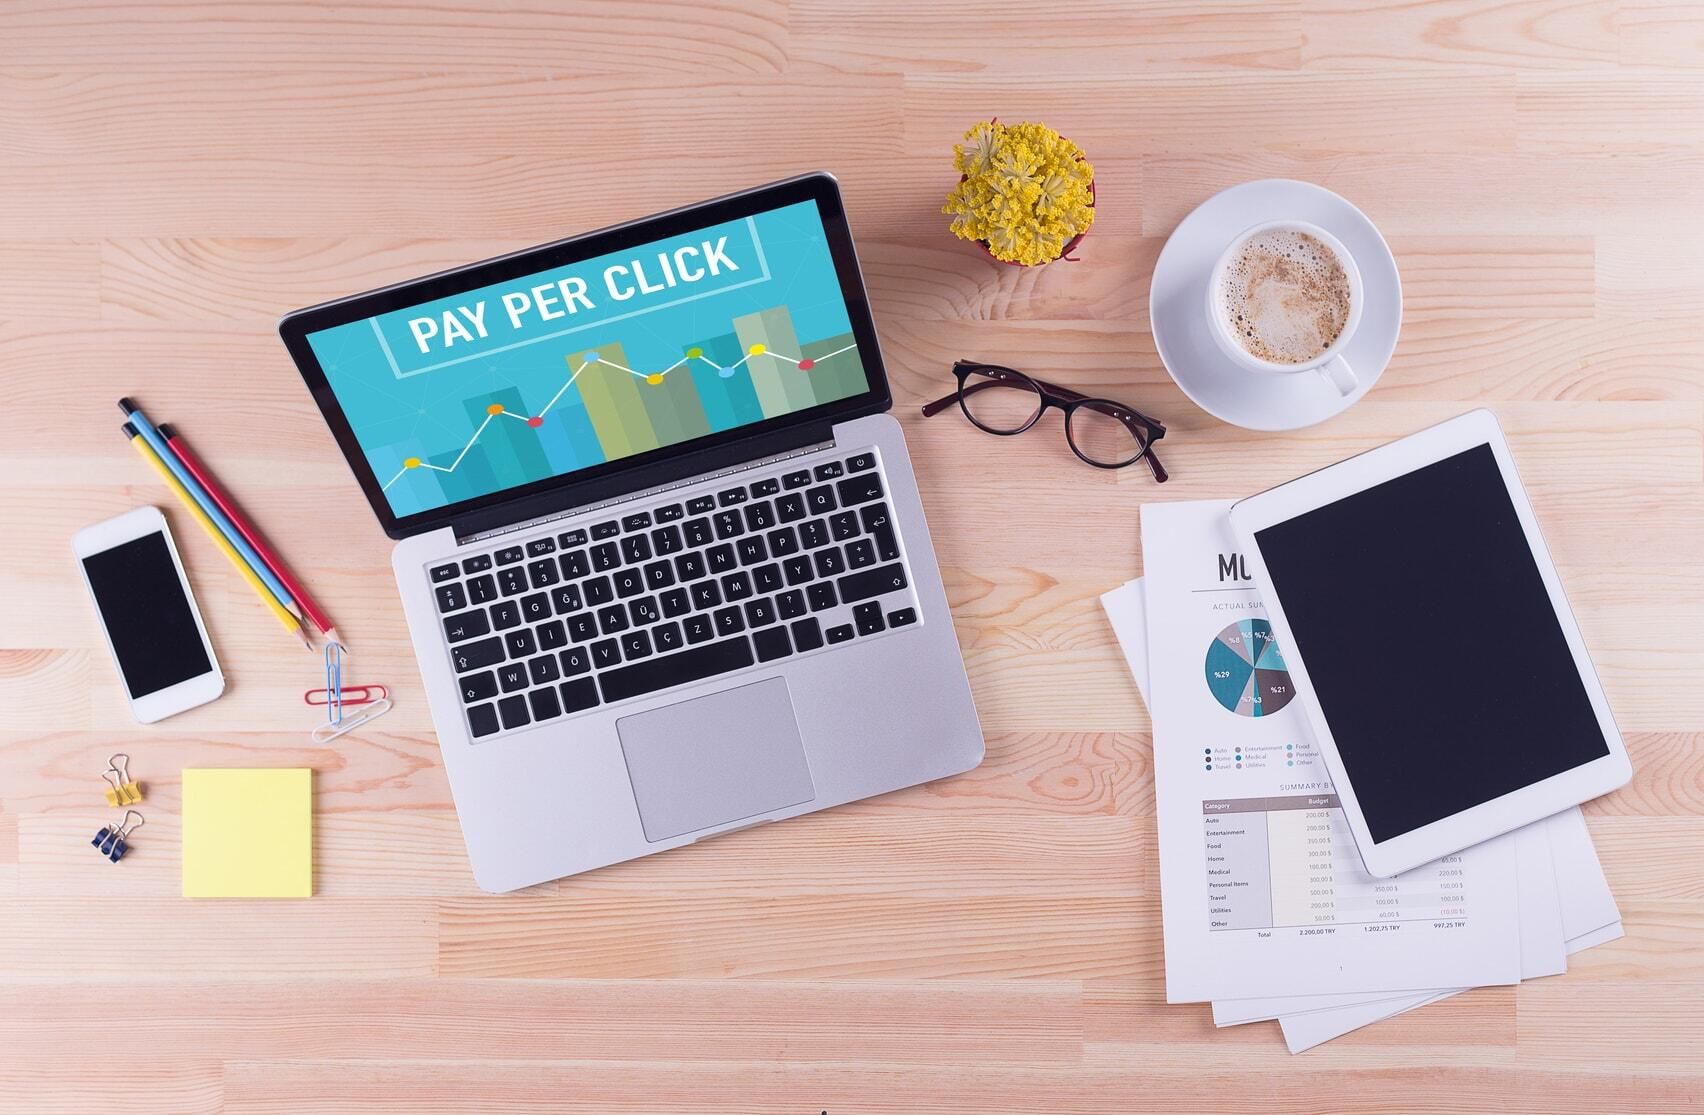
[936,407]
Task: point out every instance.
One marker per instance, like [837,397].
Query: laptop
[660,547]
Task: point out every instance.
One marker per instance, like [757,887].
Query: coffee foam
[1285,295]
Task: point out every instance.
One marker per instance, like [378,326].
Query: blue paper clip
[114,840]
[376,698]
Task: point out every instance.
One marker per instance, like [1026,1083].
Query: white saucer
[1178,297]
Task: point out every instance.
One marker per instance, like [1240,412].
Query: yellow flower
[1025,191]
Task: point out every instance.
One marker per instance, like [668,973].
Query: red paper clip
[353,695]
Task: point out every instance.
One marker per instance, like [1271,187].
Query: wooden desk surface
[173,176]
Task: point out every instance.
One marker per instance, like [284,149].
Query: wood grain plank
[1529,34]
[1612,112]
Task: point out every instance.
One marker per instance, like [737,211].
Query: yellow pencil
[271,601]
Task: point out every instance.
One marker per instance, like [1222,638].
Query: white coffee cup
[1329,362]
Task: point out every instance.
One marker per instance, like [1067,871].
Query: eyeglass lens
[1098,430]
[1000,401]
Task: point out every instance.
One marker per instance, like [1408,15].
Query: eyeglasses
[1005,401]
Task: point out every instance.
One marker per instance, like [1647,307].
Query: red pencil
[229,506]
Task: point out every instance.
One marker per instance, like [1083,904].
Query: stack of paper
[1268,913]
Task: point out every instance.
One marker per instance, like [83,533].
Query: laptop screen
[650,347]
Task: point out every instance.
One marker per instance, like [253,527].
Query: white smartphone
[148,617]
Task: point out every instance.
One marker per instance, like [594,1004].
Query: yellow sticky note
[248,833]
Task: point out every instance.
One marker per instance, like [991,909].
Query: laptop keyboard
[800,560]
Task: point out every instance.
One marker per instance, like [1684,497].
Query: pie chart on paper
[1245,672]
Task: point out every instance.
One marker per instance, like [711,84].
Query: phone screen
[147,615]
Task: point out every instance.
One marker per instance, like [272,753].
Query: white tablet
[1431,645]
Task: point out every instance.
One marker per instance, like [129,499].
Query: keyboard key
[719,559]
[482,590]
[535,607]
[700,505]
[860,489]
[479,563]
[466,625]
[675,602]
[760,612]
[481,720]
[513,710]
[879,522]
[479,687]
[612,619]
[821,595]
[543,573]
[443,573]
[843,525]
[520,643]
[606,653]
[598,591]
[505,615]
[730,496]
[868,617]
[813,534]
[637,644]
[512,580]
[451,598]
[566,598]
[669,512]
[509,555]
[820,500]
[829,471]
[689,567]
[644,611]
[544,704]
[658,575]
[861,554]
[790,508]
[667,540]
[772,643]
[765,488]
[698,628]
[606,530]
[571,538]
[698,532]
[839,634]
[639,520]
[736,586]
[552,635]
[902,617]
[543,669]
[668,637]
[629,582]
[807,635]
[512,676]
[767,578]
[872,582]
[636,548]
[790,604]
[729,524]
[760,516]
[575,660]
[752,550]
[796,479]
[728,621]
[538,547]
[693,664]
[605,556]
[798,569]
[577,696]
[830,562]
[574,565]
[582,627]
[705,594]
[783,542]
[859,462]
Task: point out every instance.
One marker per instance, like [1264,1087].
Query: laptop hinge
[822,438]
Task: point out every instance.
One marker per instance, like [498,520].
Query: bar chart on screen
[606,405]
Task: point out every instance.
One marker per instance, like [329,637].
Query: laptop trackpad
[716,759]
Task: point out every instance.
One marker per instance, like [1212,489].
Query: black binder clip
[114,840]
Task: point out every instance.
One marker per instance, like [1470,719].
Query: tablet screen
[1431,643]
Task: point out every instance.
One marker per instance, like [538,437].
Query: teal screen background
[762,333]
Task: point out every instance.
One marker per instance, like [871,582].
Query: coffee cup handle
[1340,375]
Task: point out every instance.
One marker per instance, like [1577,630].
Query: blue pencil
[194,488]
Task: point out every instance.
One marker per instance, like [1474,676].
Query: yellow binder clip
[120,789]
